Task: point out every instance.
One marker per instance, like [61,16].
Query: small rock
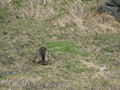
[103,69]
[9,89]
[5,33]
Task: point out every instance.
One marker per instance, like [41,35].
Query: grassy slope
[80,44]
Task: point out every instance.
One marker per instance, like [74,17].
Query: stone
[103,69]
[111,7]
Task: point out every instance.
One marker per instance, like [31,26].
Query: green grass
[1,46]
[5,15]
[69,54]
[77,55]
[17,3]
[77,67]
[107,45]
[63,46]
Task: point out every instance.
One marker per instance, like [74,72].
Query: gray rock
[117,2]
[103,69]
[111,7]
[110,3]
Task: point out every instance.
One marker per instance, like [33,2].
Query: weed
[17,3]
[5,15]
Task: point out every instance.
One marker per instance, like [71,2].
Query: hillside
[85,45]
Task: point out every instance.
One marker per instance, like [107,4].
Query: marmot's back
[42,52]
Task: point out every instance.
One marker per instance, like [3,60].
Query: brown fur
[43,56]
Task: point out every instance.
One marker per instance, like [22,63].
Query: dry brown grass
[81,41]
